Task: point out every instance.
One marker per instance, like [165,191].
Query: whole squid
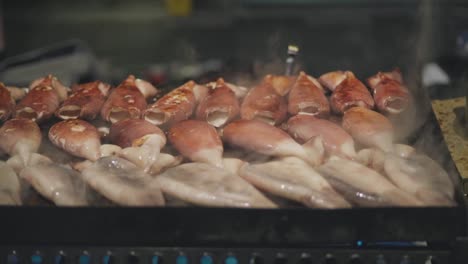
[264,103]
[422,177]
[9,185]
[206,185]
[20,137]
[140,141]
[390,94]
[176,106]
[7,103]
[294,179]
[262,138]
[84,102]
[219,107]
[76,137]
[198,141]
[308,97]
[122,182]
[42,100]
[58,183]
[369,128]
[335,139]
[363,186]
[347,91]
[128,100]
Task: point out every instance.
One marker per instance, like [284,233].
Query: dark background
[247,36]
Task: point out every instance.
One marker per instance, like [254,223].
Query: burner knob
[256,259]
[156,259]
[108,259]
[206,259]
[355,259]
[36,259]
[182,259]
[380,260]
[305,259]
[405,260]
[280,259]
[60,258]
[12,258]
[330,259]
[431,260]
[133,258]
[84,258]
[231,260]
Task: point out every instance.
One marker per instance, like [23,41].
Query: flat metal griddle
[230,227]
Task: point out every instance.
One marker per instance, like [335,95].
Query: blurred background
[170,41]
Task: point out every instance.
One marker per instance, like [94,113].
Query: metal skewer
[290,60]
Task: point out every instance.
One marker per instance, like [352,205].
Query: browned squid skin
[264,104]
[390,94]
[307,96]
[369,128]
[332,79]
[262,138]
[131,132]
[282,84]
[220,106]
[350,92]
[198,141]
[20,137]
[43,99]
[125,101]
[173,107]
[77,137]
[85,101]
[7,104]
[335,139]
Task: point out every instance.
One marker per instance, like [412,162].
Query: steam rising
[416,126]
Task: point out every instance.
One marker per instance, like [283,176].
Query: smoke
[418,125]
[410,123]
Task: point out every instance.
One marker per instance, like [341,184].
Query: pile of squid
[322,142]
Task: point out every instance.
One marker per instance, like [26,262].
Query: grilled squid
[205,185]
[58,183]
[264,103]
[198,141]
[331,80]
[122,182]
[363,186]
[282,84]
[20,137]
[76,137]
[369,128]
[176,106]
[219,107]
[43,99]
[85,102]
[305,185]
[17,93]
[7,103]
[347,90]
[335,140]
[307,97]
[262,138]
[128,100]
[390,95]
[10,186]
[140,141]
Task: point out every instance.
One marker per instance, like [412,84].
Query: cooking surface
[244,152]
